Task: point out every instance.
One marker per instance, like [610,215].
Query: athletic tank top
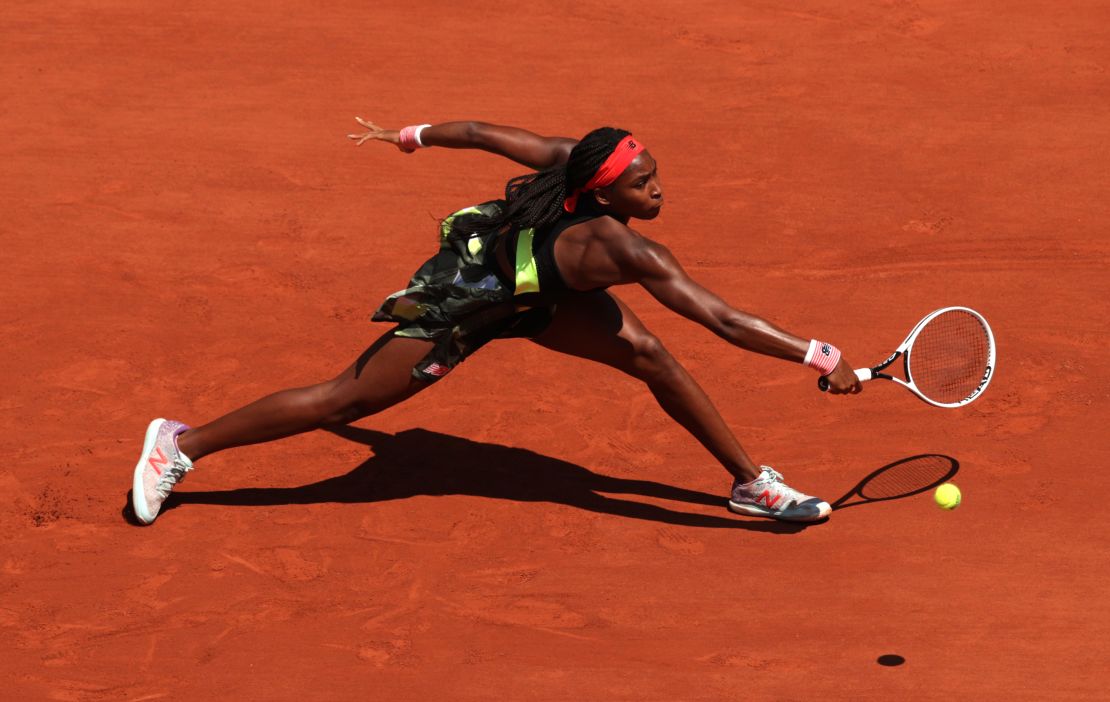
[532,253]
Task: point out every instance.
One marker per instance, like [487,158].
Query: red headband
[627,149]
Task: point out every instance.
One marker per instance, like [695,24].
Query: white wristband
[813,344]
[416,134]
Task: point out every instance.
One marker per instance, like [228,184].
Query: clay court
[186,228]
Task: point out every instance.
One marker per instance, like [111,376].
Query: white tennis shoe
[160,467]
[769,496]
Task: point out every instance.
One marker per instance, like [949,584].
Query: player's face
[637,193]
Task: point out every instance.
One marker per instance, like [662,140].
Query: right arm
[659,272]
[520,145]
[611,254]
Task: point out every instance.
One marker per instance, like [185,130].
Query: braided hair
[535,200]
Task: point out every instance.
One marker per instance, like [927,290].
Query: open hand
[373,131]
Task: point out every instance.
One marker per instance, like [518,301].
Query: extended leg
[599,327]
[379,379]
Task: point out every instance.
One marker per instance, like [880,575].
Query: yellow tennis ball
[947,496]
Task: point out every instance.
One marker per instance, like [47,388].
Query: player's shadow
[421,462]
[905,477]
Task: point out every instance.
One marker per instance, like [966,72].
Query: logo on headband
[631,144]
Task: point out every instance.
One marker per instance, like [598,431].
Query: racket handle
[864,374]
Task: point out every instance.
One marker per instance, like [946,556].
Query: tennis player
[537,264]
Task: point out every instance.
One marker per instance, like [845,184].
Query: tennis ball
[947,496]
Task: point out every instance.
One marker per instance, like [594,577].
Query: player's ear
[602,197]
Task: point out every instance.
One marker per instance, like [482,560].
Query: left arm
[520,145]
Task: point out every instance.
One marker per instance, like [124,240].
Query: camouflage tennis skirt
[458,300]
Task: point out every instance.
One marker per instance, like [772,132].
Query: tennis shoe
[769,496]
[160,467]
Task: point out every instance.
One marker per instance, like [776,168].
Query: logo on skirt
[436,370]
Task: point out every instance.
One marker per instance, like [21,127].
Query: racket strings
[949,357]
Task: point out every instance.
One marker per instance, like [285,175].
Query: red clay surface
[185,228]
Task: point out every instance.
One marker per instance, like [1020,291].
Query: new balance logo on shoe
[158,460]
[768,500]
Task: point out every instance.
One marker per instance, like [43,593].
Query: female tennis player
[537,264]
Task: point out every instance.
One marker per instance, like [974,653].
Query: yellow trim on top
[527,277]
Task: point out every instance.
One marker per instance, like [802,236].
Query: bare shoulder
[611,233]
[627,246]
[603,252]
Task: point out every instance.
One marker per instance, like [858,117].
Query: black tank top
[543,251]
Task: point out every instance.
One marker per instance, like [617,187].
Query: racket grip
[864,374]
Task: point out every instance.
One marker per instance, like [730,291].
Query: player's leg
[599,327]
[380,378]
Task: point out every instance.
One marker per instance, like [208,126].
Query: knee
[345,414]
[335,404]
[651,360]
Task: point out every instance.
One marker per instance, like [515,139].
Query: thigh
[382,375]
[599,327]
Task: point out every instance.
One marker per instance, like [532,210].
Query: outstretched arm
[616,254]
[520,145]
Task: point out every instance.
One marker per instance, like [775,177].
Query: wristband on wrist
[409,137]
[822,356]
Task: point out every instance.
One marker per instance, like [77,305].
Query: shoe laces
[767,476]
[791,495]
[172,476]
[772,475]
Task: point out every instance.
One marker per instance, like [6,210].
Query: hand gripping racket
[947,359]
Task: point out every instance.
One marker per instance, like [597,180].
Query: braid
[589,154]
[535,200]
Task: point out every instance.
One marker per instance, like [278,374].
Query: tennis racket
[947,359]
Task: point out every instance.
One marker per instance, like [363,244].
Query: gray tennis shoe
[769,496]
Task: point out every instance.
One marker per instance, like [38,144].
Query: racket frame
[905,352]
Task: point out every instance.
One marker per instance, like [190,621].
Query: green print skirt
[457,300]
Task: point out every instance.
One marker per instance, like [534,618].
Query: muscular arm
[520,145]
[663,277]
[610,253]
[638,259]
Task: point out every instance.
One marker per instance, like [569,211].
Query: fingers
[843,380]
[374,129]
[844,384]
[375,132]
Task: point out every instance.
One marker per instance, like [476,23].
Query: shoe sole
[138,494]
[823,510]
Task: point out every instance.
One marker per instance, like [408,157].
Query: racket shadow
[903,478]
